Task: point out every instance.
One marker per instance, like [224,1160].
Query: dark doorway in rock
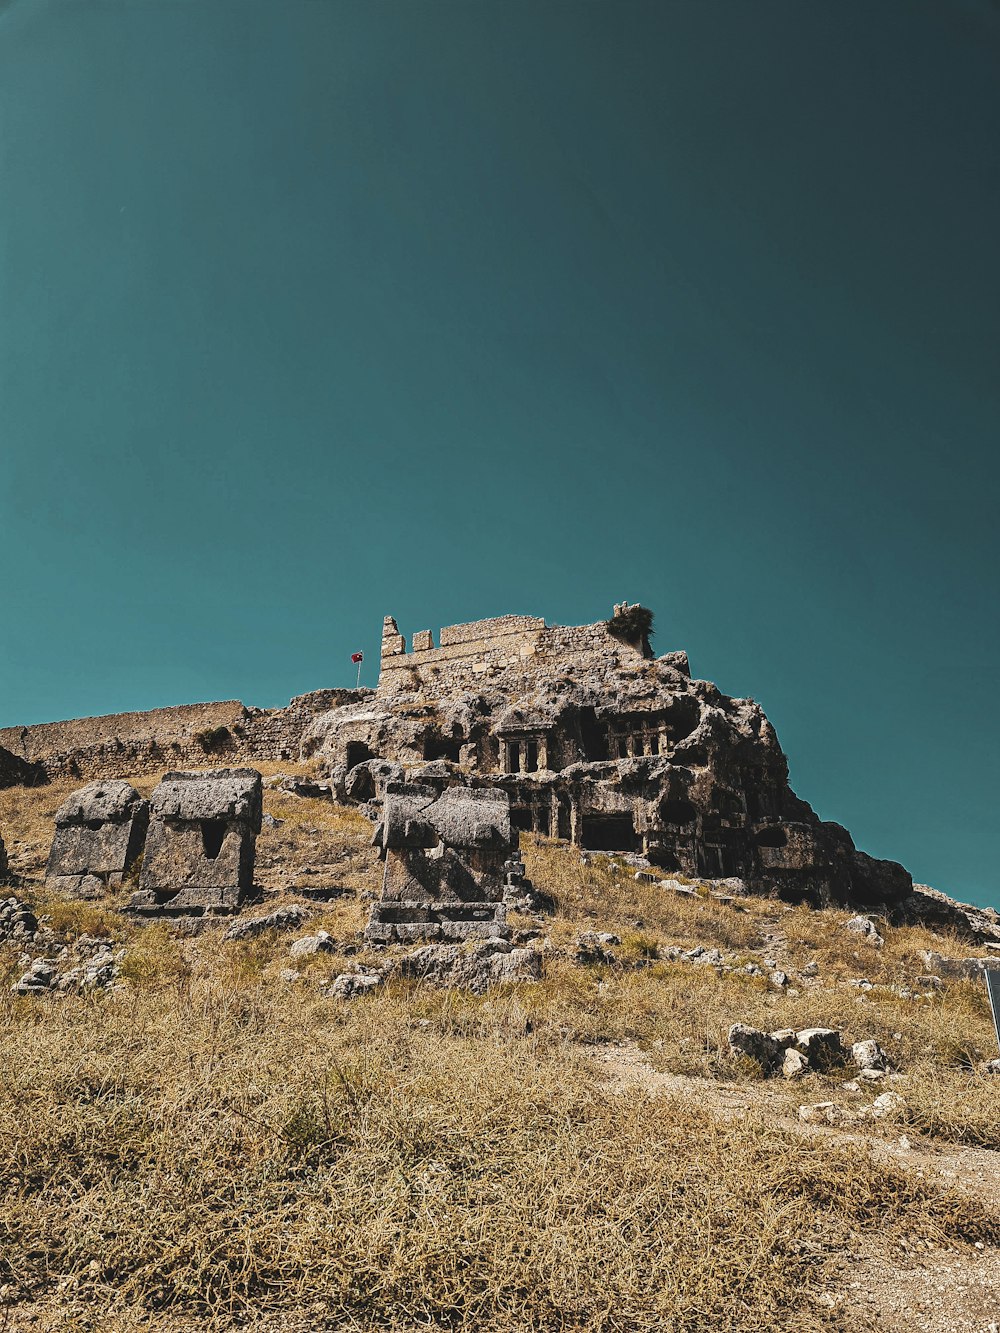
[530,756]
[678,812]
[440,747]
[520,818]
[593,735]
[213,835]
[357,753]
[608,833]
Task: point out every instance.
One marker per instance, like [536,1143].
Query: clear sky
[313,311]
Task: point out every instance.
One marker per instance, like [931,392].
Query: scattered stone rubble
[811,1049]
[18,923]
[474,967]
[85,965]
[201,844]
[100,831]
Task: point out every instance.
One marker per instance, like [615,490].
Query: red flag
[357,657]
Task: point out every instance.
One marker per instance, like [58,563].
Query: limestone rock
[351,985]
[282,918]
[869,1055]
[100,831]
[201,843]
[595,947]
[18,922]
[889,1105]
[321,942]
[821,1113]
[795,1064]
[476,969]
[861,925]
[755,1045]
[821,1046]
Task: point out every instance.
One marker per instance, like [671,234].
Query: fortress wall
[466,654]
[489,648]
[122,744]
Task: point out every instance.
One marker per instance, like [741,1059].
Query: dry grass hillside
[216,1143]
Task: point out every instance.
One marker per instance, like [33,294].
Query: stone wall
[505,646]
[191,735]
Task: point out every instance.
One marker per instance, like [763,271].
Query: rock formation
[597,741]
[100,832]
[201,844]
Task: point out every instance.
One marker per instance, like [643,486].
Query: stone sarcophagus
[99,834]
[201,844]
[445,861]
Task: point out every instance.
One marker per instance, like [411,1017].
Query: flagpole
[359,676]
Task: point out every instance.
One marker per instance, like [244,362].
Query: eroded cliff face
[598,742]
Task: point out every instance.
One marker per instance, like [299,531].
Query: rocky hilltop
[599,742]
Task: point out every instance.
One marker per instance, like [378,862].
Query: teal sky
[314,311]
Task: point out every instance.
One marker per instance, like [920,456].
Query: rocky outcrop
[18,772]
[596,741]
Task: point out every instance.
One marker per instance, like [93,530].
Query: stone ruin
[448,858]
[597,741]
[201,844]
[100,831]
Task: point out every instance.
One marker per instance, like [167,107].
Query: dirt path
[928,1290]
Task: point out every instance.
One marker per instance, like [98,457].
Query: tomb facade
[100,831]
[201,845]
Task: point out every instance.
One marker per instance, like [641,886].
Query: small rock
[321,942]
[595,947]
[861,925]
[810,969]
[991,1067]
[779,978]
[869,1055]
[888,1104]
[795,1064]
[821,1046]
[282,918]
[349,985]
[821,1113]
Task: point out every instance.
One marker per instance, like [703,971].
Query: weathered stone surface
[869,1055]
[795,1064]
[16,771]
[446,859]
[85,965]
[821,1046]
[598,742]
[821,1113]
[100,831]
[18,922]
[861,925]
[755,1045]
[475,968]
[890,1105]
[282,918]
[321,942]
[595,946]
[351,985]
[200,849]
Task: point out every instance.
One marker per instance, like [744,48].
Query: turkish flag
[357,657]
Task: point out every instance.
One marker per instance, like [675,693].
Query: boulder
[321,942]
[595,947]
[869,1055]
[755,1045]
[282,918]
[822,1047]
[475,969]
[351,985]
[861,925]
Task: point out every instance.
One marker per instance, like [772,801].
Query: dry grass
[213,1143]
[222,1150]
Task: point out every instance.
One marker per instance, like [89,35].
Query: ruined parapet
[201,844]
[444,864]
[100,831]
